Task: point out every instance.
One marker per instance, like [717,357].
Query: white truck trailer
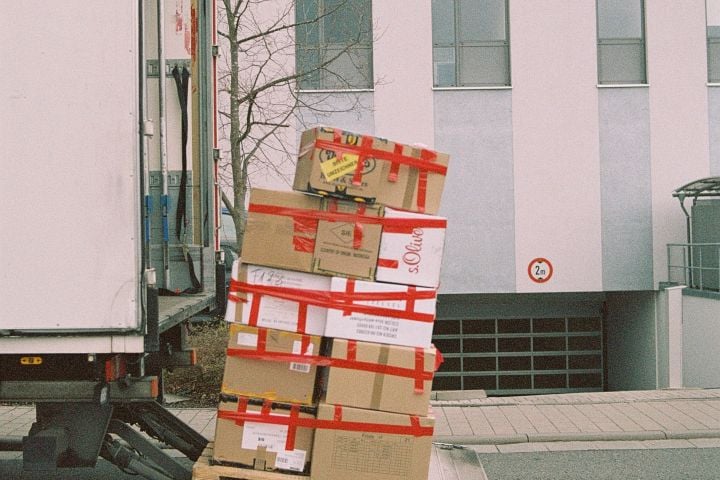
[108,215]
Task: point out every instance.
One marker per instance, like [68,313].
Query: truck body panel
[84,187]
[70,242]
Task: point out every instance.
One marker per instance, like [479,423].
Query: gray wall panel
[475,128]
[714,107]
[626,189]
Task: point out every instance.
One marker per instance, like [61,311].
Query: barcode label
[294,460]
[300,367]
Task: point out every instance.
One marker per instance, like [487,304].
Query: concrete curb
[576,437]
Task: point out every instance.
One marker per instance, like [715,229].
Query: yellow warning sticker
[337,167]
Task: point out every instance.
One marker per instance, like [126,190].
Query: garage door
[520,344]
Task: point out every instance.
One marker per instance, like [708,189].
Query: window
[470,43]
[713,40]
[621,42]
[334,44]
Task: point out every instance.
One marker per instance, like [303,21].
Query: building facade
[569,124]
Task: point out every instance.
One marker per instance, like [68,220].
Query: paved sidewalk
[689,418]
[686,418]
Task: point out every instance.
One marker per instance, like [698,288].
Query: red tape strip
[388,263]
[414,429]
[417,373]
[426,162]
[343,300]
[392,225]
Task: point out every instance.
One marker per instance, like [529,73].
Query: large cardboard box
[344,164]
[252,301]
[382,313]
[380,377]
[245,435]
[411,248]
[267,363]
[308,233]
[371,445]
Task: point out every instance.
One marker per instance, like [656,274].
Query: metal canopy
[706,187]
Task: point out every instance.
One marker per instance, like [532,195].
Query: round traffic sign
[540,270]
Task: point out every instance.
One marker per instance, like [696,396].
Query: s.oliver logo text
[413,251]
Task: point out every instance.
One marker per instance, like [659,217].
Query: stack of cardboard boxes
[330,362]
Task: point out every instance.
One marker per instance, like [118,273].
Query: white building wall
[701,340]
[679,142]
[555,143]
[402,61]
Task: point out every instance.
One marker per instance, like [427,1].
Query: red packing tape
[343,300]
[418,373]
[414,429]
[424,164]
[392,225]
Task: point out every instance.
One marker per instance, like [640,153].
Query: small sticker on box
[337,167]
[247,339]
[301,367]
[272,437]
[287,460]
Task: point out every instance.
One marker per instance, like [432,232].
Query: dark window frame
[607,43]
[326,78]
[459,46]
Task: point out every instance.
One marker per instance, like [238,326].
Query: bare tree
[260,82]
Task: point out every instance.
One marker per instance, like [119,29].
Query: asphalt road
[670,464]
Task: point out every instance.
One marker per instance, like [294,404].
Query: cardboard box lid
[346,164]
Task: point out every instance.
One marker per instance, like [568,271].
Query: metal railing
[696,265]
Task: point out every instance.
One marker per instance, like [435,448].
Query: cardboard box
[251,301]
[380,377]
[244,437]
[382,313]
[392,447]
[411,254]
[390,173]
[308,233]
[251,370]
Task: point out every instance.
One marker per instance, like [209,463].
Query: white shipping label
[301,367]
[272,437]
[294,460]
[247,339]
